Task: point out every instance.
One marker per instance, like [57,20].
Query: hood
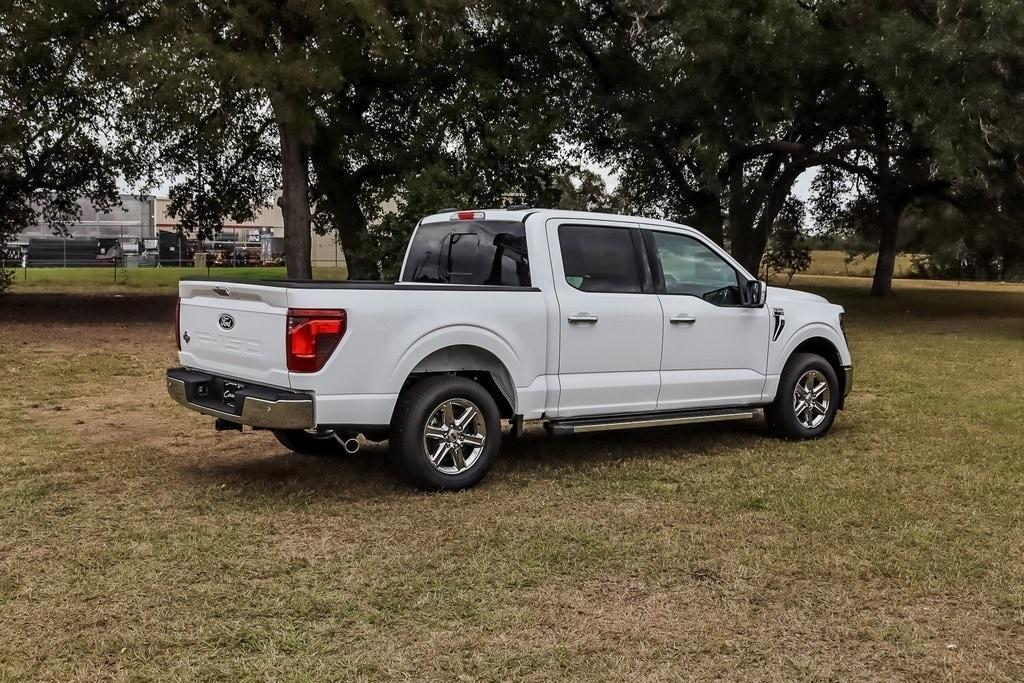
[782,295]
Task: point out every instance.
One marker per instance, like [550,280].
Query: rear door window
[600,259]
[469,253]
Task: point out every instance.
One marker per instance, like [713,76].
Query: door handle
[684,319]
[583,318]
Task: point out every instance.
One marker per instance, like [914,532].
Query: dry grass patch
[833,262]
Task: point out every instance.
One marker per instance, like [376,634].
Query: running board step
[607,423]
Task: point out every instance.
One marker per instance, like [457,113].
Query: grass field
[102,280]
[834,263]
[136,543]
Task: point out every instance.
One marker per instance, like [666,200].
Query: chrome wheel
[454,436]
[812,397]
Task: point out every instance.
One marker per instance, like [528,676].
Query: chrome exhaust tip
[348,442]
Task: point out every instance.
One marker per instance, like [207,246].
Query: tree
[456,120]
[937,115]
[233,100]
[707,116]
[788,251]
[58,131]
[359,99]
[895,173]
[711,110]
[502,150]
[585,190]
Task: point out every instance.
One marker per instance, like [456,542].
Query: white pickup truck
[586,321]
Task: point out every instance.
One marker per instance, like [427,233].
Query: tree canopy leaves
[364,115]
[59,94]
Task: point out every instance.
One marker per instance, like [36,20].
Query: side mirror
[755,293]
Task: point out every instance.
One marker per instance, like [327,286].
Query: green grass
[136,543]
[102,280]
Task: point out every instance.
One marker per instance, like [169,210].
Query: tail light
[312,336]
[177,323]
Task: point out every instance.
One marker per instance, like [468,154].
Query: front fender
[782,352]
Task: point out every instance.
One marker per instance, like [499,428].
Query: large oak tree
[710,111]
[345,106]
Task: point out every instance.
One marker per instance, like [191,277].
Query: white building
[326,249]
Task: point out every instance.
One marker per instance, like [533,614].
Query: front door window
[690,267]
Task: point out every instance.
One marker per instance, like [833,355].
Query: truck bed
[391,328]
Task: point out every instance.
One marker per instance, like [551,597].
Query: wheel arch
[473,362]
[827,349]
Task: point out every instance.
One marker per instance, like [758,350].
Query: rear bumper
[240,402]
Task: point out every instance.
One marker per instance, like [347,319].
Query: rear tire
[807,399]
[445,433]
[309,442]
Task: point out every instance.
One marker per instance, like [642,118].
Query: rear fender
[461,347]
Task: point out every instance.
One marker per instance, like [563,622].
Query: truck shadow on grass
[537,454]
[370,473]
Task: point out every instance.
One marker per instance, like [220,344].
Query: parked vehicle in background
[220,257]
[585,321]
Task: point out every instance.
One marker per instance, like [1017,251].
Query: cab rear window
[469,253]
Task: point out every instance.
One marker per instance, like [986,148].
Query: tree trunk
[888,243]
[1013,259]
[341,200]
[339,189]
[707,217]
[747,246]
[747,236]
[754,207]
[352,231]
[294,200]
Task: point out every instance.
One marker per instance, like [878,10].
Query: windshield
[469,253]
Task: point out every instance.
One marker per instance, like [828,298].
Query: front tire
[807,400]
[445,433]
[309,442]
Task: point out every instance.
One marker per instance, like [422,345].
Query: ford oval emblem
[226,322]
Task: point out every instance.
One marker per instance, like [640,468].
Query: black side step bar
[637,420]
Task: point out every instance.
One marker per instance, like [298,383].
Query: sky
[802,189]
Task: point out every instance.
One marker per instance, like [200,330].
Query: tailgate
[234,330]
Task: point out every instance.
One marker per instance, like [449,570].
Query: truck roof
[522,214]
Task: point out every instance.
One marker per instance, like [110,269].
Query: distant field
[102,280]
[832,263]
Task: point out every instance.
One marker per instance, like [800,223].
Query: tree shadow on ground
[59,308]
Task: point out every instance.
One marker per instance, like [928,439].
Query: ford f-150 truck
[586,321]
